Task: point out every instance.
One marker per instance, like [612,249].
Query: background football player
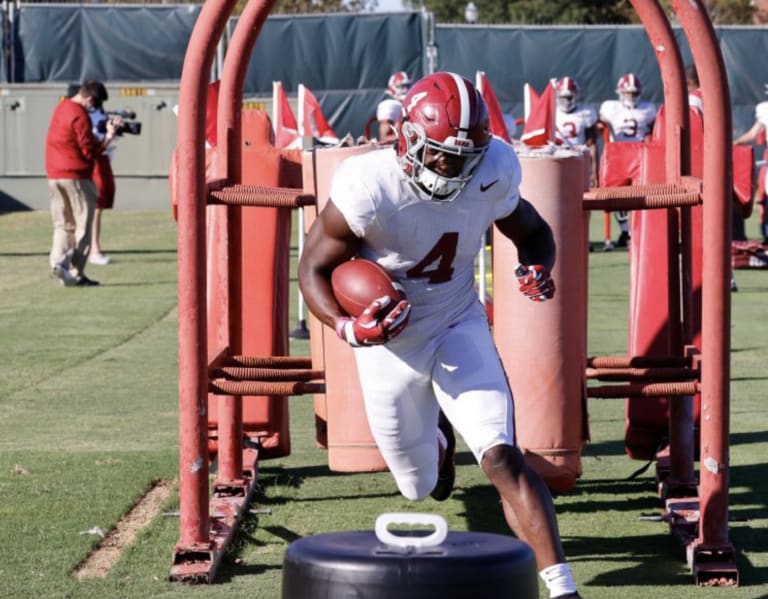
[627,119]
[388,110]
[576,122]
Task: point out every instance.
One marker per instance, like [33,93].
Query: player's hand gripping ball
[377,307]
[535,282]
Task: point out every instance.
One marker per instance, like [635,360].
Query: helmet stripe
[465,106]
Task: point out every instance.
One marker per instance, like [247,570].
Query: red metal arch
[201,544]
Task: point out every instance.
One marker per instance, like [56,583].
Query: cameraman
[103,177]
[70,152]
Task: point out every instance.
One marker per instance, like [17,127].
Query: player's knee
[416,488]
[503,457]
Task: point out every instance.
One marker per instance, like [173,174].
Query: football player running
[576,122]
[628,119]
[421,212]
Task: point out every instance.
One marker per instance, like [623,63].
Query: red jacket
[70,147]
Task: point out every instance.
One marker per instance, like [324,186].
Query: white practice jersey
[761,113]
[572,126]
[428,246]
[695,101]
[628,124]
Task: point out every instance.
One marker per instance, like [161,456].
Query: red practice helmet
[398,85]
[567,91]
[628,88]
[442,112]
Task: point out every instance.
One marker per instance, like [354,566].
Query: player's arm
[530,233]
[590,136]
[329,242]
[536,251]
[751,135]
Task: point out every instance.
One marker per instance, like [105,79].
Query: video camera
[128,125]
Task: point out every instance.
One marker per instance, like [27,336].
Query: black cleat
[83,281]
[447,473]
[623,240]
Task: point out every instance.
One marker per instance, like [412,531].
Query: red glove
[535,282]
[376,325]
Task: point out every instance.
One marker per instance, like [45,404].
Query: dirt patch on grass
[107,552]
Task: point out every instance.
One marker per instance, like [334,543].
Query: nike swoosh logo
[487,187]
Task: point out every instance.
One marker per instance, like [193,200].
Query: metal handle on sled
[384,521]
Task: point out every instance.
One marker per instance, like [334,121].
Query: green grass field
[88,420]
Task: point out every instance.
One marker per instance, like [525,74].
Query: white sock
[559,579]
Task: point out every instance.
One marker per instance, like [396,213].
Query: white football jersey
[695,101]
[761,113]
[628,124]
[572,126]
[428,246]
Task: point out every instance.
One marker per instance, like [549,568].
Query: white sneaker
[608,245]
[67,278]
[100,259]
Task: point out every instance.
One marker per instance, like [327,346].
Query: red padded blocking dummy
[543,345]
[339,413]
[264,282]
[647,419]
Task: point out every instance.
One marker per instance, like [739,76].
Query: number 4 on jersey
[437,265]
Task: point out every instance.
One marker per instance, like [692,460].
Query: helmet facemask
[567,92]
[629,99]
[398,85]
[439,188]
[628,89]
[399,90]
[566,102]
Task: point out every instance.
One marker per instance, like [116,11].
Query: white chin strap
[440,189]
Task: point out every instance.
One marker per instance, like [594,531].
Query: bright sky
[389,6]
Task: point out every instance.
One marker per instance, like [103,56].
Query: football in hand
[356,283]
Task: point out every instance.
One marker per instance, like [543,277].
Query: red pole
[193,379]
[229,127]
[676,126]
[677,148]
[716,297]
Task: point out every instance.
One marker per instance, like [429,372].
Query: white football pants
[459,370]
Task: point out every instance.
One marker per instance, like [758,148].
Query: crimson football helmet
[628,88]
[442,113]
[567,91]
[398,85]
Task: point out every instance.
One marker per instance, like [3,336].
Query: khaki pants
[72,205]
